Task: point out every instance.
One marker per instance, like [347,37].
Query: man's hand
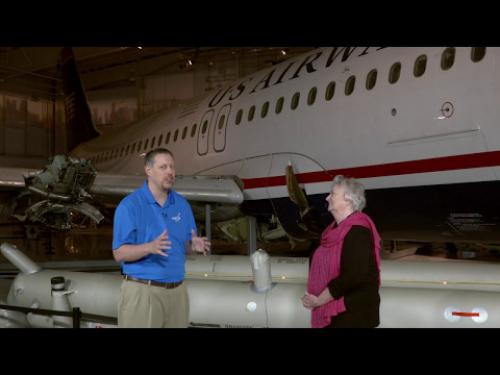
[199,244]
[160,244]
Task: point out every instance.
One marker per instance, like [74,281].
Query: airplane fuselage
[416,125]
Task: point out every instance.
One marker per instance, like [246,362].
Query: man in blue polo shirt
[153,228]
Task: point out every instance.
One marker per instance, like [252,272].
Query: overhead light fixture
[283,52]
[189,62]
[139,47]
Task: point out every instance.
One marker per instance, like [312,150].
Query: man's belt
[155,283]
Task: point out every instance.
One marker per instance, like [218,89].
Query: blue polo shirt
[140,219]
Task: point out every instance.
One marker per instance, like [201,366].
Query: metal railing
[76,314]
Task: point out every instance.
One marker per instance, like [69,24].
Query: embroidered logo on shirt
[177,217]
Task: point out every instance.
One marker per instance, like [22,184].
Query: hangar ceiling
[33,71]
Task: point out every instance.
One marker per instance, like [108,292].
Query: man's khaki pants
[147,306]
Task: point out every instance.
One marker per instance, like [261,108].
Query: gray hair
[149,159]
[354,191]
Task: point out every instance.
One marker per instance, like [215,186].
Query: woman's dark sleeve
[357,263]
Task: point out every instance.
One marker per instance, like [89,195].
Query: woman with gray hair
[344,276]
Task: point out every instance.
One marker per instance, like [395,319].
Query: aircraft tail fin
[79,125]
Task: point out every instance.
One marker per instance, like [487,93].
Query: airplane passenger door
[203,131]
[220,128]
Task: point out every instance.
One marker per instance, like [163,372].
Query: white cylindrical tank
[413,294]
[261,270]
[92,293]
[60,301]
[237,267]
[215,303]
[12,319]
[448,274]
[435,308]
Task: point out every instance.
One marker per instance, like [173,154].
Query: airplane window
[420,65]
[168,138]
[395,72]
[349,85]
[279,105]
[239,116]
[311,98]
[371,79]
[221,122]
[139,145]
[204,129]
[295,100]
[193,130]
[330,91]
[146,144]
[251,112]
[184,132]
[133,148]
[176,134]
[126,151]
[160,139]
[265,108]
[477,53]
[153,142]
[448,58]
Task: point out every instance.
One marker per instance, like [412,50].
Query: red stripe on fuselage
[447,163]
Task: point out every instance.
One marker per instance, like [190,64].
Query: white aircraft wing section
[12,178]
[215,189]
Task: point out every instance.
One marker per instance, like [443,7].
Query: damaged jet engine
[57,197]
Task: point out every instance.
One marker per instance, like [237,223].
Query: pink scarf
[326,264]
